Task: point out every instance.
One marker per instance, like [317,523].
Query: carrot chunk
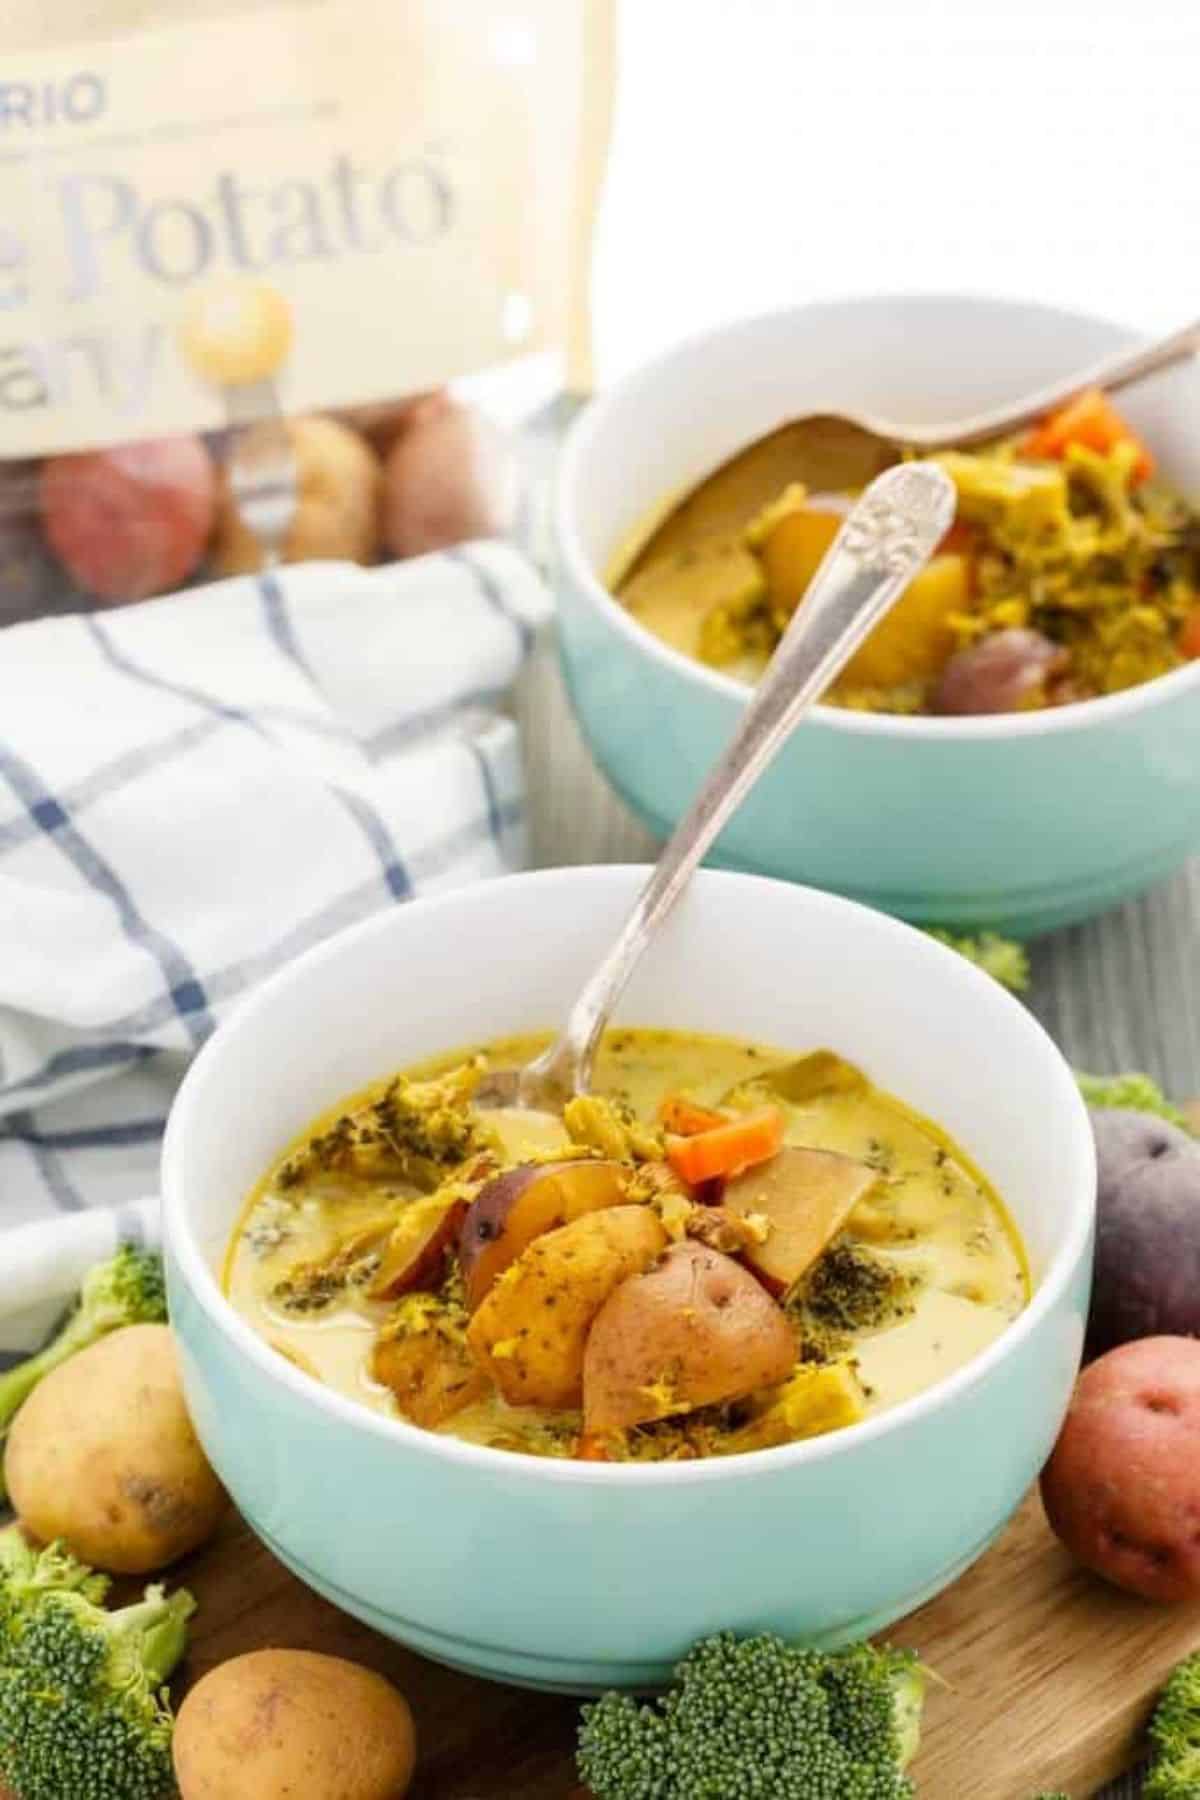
[1189,637]
[685,1117]
[1090,419]
[728,1148]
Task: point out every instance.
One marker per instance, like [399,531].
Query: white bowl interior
[662,429]
[743,956]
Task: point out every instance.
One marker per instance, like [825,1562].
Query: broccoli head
[83,1707]
[126,1290]
[853,1288]
[757,1716]
[1129,1093]
[998,957]
[1174,1772]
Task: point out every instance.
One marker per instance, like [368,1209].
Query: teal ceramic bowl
[576,1575]
[1019,823]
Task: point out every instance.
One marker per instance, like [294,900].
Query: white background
[770,151]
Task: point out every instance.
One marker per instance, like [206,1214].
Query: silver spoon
[886,538]
[1111,373]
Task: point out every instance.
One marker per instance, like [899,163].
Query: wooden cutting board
[1049,1675]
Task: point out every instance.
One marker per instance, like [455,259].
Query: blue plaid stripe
[20,1128]
[58,1183]
[80,1059]
[187,995]
[494,594]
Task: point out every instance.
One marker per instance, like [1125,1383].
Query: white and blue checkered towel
[194,790]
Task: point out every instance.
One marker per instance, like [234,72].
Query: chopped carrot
[1090,419]
[727,1149]
[1189,637]
[958,541]
[590,1448]
[685,1117]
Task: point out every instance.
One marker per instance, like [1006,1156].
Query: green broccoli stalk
[760,1716]
[1174,1772]
[999,957]
[83,1706]
[1135,1092]
[126,1290]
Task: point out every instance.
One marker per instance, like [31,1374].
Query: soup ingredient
[792,551]
[728,1148]
[1090,419]
[450,476]
[1134,1092]
[1189,637]
[1174,1731]
[840,1724]
[82,1706]
[708,603]
[421,1354]
[337,502]
[806,1197]
[530,1330]
[1147,1270]
[1007,671]
[1122,1488]
[694,1330]
[128,1289]
[415,1253]
[133,521]
[816,1399]
[278,1724]
[522,1204]
[913,640]
[103,1456]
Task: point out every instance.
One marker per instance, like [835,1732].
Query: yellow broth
[932,1216]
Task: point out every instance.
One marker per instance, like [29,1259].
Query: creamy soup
[724,1248]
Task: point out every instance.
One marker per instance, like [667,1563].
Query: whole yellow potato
[103,1454]
[338,482]
[293,1725]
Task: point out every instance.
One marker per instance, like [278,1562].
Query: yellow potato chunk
[816,1400]
[914,640]
[792,554]
[531,1329]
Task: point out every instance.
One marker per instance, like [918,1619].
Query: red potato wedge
[696,1329]
[415,1254]
[530,1331]
[523,1204]
[806,1196]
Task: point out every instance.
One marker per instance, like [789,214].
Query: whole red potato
[132,521]
[1122,1488]
[450,476]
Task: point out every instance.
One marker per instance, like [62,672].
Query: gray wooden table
[1120,993]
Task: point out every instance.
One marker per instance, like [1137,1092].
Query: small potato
[337,509]
[431,1377]
[1122,1488]
[1007,671]
[450,476]
[103,1454]
[697,1329]
[133,521]
[912,642]
[294,1725]
[530,1329]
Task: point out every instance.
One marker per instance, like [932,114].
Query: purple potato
[1006,671]
[1147,1278]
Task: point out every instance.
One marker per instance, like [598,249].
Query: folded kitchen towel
[195,790]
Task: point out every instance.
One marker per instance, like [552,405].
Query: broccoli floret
[83,1707]
[1134,1092]
[854,1289]
[1174,1772]
[999,957]
[758,1716]
[126,1290]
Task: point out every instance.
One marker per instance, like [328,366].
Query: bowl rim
[1078,715]
[181,1245]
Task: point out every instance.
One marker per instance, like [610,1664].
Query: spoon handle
[886,538]
[1111,374]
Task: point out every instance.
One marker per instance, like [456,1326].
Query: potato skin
[450,476]
[1122,1488]
[1147,1277]
[530,1330]
[337,509]
[103,1454]
[293,1725]
[132,521]
[696,1329]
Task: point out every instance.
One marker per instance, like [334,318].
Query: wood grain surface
[1045,1675]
